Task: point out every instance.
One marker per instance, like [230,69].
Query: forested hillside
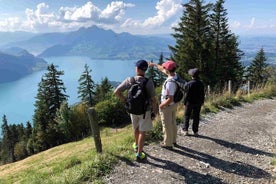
[17,63]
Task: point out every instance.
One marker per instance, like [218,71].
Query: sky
[245,17]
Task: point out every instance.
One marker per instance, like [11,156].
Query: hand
[150,64]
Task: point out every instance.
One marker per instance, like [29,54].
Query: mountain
[17,36]
[38,43]
[96,43]
[17,63]
[250,45]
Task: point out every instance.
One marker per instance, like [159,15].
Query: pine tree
[153,74]
[193,39]
[103,90]
[7,151]
[227,56]
[86,87]
[257,73]
[51,93]
[160,75]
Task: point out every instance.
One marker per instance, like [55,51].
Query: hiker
[193,101]
[140,122]
[168,107]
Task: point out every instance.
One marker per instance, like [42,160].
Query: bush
[111,112]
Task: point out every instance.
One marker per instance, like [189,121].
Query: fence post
[248,87]
[208,90]
[95,128]
[229,87]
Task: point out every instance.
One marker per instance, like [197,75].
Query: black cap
[142,65]
[194,72]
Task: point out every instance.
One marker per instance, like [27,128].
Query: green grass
[75,162]
[78,162]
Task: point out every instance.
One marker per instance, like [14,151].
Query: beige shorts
[139,122]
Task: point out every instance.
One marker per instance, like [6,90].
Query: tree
[7,146]
[86,87]
[257,73]
[103,90]
[193,39]
[152,73]
[51,93]
[227,56]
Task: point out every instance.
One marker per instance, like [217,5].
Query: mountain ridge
[16,63]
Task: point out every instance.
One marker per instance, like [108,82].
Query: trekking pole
[95,128]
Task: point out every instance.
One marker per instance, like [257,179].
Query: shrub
[111,112]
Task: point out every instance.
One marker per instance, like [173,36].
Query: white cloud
[42,19]
[9,24]
[252,23]
[114,11]
[235,25]
[166,10]
[83,13]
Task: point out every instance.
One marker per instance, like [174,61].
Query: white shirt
[168,88]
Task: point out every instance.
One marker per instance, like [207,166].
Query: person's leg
[196,114]
[174,124]
[166,121]
[141,141]
[187,115]
[135,126]
[136,135]
[145,124]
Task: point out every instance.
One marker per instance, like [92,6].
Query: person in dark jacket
[193,101]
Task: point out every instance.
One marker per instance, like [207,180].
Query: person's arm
[120,95]
[154,105]
[159,67]
[166,102]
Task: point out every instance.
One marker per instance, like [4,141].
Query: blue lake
[17,98]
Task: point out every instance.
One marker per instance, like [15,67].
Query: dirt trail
[234,146]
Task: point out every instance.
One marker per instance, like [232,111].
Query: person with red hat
[168,107]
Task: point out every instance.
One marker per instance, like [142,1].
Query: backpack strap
[144,83]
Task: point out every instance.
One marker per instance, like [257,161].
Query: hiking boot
[140,156]
[135,147]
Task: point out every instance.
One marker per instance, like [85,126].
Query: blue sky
[245,17]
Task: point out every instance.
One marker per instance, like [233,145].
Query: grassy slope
[74,162]
[78,162]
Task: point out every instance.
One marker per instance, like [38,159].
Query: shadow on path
[238,147]
[190,177]
[238,168]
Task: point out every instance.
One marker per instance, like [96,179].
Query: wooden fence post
[95,128]
[248,87]
[208,90]
[229,87]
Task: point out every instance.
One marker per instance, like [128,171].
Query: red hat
[169,65]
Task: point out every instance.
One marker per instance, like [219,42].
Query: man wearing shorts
[141,123]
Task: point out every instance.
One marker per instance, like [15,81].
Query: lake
[17,98]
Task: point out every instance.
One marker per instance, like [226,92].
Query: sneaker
[184,132]
[140,156]
[135,147]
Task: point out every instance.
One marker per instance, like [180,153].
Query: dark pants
[194,111]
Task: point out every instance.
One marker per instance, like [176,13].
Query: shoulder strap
[171,80]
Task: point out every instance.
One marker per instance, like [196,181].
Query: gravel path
[234,146]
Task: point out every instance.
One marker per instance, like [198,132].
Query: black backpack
[137,100]
[179,93]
